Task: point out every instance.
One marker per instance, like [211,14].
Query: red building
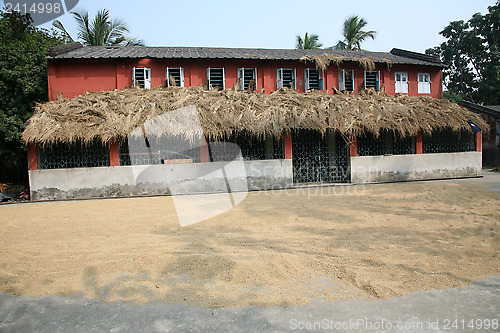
[491,140]
[300,155]
[73,70]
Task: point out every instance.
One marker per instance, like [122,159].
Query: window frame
[424,87]
[167,75]
[342,83]
[321,79]
[209,71]
[146,75]
[396,83]
[279,77]
[241,76]
[377,85]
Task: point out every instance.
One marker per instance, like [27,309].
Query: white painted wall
[159,179]
[393,168]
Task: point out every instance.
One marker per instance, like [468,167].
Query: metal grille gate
[448,141]
[319,158]
[75,155]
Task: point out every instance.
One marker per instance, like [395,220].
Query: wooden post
[204,154]
[479,142]
[287,143]
[353,146]
[32,157]
[114,154]
[419,146]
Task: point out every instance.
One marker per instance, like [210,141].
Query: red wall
[72,77]
[436,79]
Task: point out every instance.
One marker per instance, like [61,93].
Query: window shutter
[294,78]
[353,79]
[167,75]
[279,79]
[424,83]
[342,80]
[241,78]
[208,77]
[182,76]
[378,81]
[133,77]
[223,79]
[402,82]
[255,77]
[405,86]
[307,79]
[147,78]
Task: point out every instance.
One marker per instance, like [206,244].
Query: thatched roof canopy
[114,115]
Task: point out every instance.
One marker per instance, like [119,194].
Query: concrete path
[474,308]
[490,178]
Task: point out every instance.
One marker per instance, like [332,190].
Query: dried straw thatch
[323,61]
[171,81]
[113,115]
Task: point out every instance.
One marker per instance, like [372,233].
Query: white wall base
[394,168]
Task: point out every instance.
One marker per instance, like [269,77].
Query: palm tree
[309,42]
[354,34]
[100,31]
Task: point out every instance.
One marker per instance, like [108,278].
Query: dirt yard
[275,248]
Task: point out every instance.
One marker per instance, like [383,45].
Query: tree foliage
[472,55]
[354,34]
[101,30]
[23,82]
[308,42]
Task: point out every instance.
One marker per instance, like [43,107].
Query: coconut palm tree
[309,42]
[100,31]
[354,34]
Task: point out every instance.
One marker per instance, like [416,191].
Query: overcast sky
[411,25]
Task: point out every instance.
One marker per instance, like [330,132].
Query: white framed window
[216,78]
[401,82]
[346,80]
[177,73]
[372,80]
[141,77]
[245,76]
[424,83]
[286,78]
[314,79]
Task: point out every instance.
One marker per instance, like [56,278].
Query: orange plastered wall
[389,79]
[73,77]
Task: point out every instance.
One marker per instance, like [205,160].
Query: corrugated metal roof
[493,110]
[141,52]
[494,107]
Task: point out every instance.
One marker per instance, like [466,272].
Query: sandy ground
[275,248]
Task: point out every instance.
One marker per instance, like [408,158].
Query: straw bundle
[171,81]
[323,61]
[115,114]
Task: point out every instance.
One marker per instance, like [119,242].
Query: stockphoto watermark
[171,163]
[311,191]
[355,325]
[169,154]
[367,324]
[41,11]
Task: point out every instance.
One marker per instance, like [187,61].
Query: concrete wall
[120,181]
[393,168]
[236,176]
